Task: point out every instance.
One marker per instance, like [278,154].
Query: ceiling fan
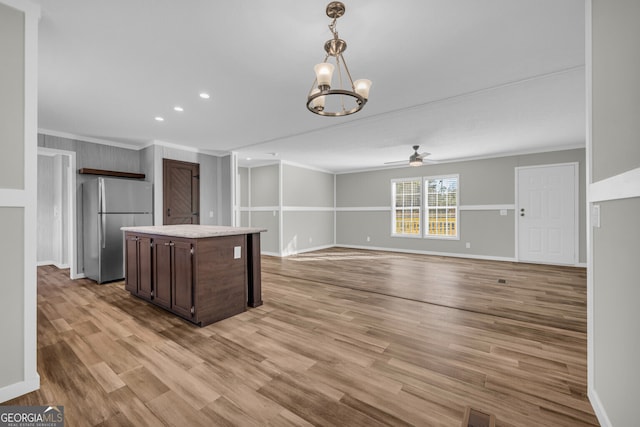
[416,159]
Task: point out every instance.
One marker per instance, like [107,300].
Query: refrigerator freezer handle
[103,202]
[102,207]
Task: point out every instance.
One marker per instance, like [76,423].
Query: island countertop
[193,231]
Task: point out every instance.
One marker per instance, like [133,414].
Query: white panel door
[546,214]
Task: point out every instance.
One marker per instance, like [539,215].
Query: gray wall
[243,182]
[18,216]
[306,187]
[308,209]
[363,202]
[614,276]
[53,210]
[264,202]
[45,207]
[225,192]
[295,205]
[12,83]
[265,186]
[12,140]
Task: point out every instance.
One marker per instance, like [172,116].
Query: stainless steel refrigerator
[107,205]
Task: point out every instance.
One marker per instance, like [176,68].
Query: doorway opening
[57,215]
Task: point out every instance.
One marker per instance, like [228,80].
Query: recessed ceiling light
[248,158]
[178,108]
[160,119]
[204,95]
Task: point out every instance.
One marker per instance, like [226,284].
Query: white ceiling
[461,78]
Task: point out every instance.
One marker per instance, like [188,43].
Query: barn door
[547,214]
[181,192]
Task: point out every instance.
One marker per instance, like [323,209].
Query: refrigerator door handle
[103,227]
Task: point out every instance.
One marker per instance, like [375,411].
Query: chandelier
[348,97]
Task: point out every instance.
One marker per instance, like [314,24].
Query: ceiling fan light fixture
[415,162]
[415,159]
[346,97]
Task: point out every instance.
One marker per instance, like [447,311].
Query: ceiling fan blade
[398,162]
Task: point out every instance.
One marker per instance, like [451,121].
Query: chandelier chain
[332,28]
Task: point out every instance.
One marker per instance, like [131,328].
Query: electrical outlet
[237,252]
[210,214]
[368,239]
[468,245]
[503,212]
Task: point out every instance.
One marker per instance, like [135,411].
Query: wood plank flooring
[322,351]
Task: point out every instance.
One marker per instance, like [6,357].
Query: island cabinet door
[182,264]
[162,272]
[144,267]
[131,263]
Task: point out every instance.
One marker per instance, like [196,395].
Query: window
[441,206]
[407,203]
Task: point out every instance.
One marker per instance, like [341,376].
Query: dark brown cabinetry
[138,265]
[162,272]
[173,275]
[202,279]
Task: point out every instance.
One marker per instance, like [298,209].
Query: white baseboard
[411,251]
[55,264]
[601,414]
[302,251]
[270,253]
[18,389]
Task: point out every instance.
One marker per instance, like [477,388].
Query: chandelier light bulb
[362,87]
[317,103]
[324,73]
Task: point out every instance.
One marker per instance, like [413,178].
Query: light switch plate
[595,216]
[237,252]
[503,212]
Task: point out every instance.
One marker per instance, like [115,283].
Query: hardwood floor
[321,351]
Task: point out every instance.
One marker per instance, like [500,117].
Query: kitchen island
[202,273]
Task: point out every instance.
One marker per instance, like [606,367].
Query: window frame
[420,207]
[426,208]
